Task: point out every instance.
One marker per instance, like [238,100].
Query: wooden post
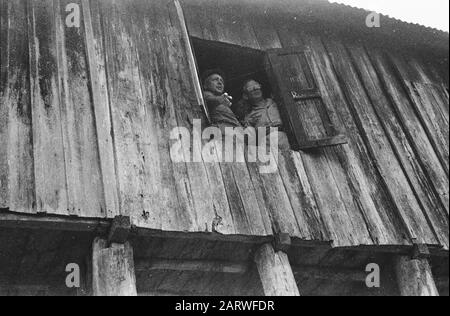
[275,272]
[414,277]
[113,269]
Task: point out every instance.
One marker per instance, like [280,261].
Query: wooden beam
[120,230]
[335,275]
[308,272]
[193,265]
[113,269]
[282,242]
[49,222]
[414,277]
[275,272]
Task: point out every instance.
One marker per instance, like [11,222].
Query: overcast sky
[433,13]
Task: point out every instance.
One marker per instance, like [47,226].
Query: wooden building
[86,175]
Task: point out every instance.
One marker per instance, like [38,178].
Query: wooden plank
[224,223]
[414,277]
[335,275]
[276,198]
[49,160]
[83,172]
[325,142]
[275,272]
[17,188]
[113,269]
[35,222]
[357,157]
[202,17]
[4,115]
[302,198]
[258,225]
[181,96]
[193,265]
[265,33]
[384,154]
[423,124]
[364,183]
[147,183]
[100,100]
[191,58]
[193,21]
[430,185]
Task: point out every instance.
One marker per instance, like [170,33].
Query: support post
[113,269]
[275,272]
[414,277]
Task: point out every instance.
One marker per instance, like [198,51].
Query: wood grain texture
[391,170]
[113,269]
[100,101]
[49,159]
[275,272]
[17,188]
[81,151]
[86,115]
[414,277]
[424,173]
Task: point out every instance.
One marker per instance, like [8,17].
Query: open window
[287,71]
[303,106]
[238,63]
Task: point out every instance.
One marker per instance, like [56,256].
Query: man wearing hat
[218,102]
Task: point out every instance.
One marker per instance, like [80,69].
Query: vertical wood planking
[50,171]
[82,162]
[186,111]
[364,182]
[290,166]
[409,207]
[146,189]
[325,171]
[100,101]
[424,173]
[428,116]
[4,115]
[16,153]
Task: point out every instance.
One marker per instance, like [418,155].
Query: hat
[211,72]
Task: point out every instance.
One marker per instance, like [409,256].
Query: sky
[432,13]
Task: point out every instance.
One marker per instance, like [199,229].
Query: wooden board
[17,177]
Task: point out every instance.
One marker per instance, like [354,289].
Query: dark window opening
[286,76]
[238,64]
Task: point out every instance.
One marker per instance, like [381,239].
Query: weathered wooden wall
[86,116]
[391,181]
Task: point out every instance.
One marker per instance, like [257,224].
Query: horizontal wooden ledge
[53,222]
[307,272]
[102,227]
[193,266]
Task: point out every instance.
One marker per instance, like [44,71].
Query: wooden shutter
[302,106]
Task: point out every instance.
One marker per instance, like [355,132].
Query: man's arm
[213,100]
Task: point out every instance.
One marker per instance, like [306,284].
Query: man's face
[215,84]
[253,91]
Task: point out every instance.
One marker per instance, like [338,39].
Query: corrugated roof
[385,16]
[345,19]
